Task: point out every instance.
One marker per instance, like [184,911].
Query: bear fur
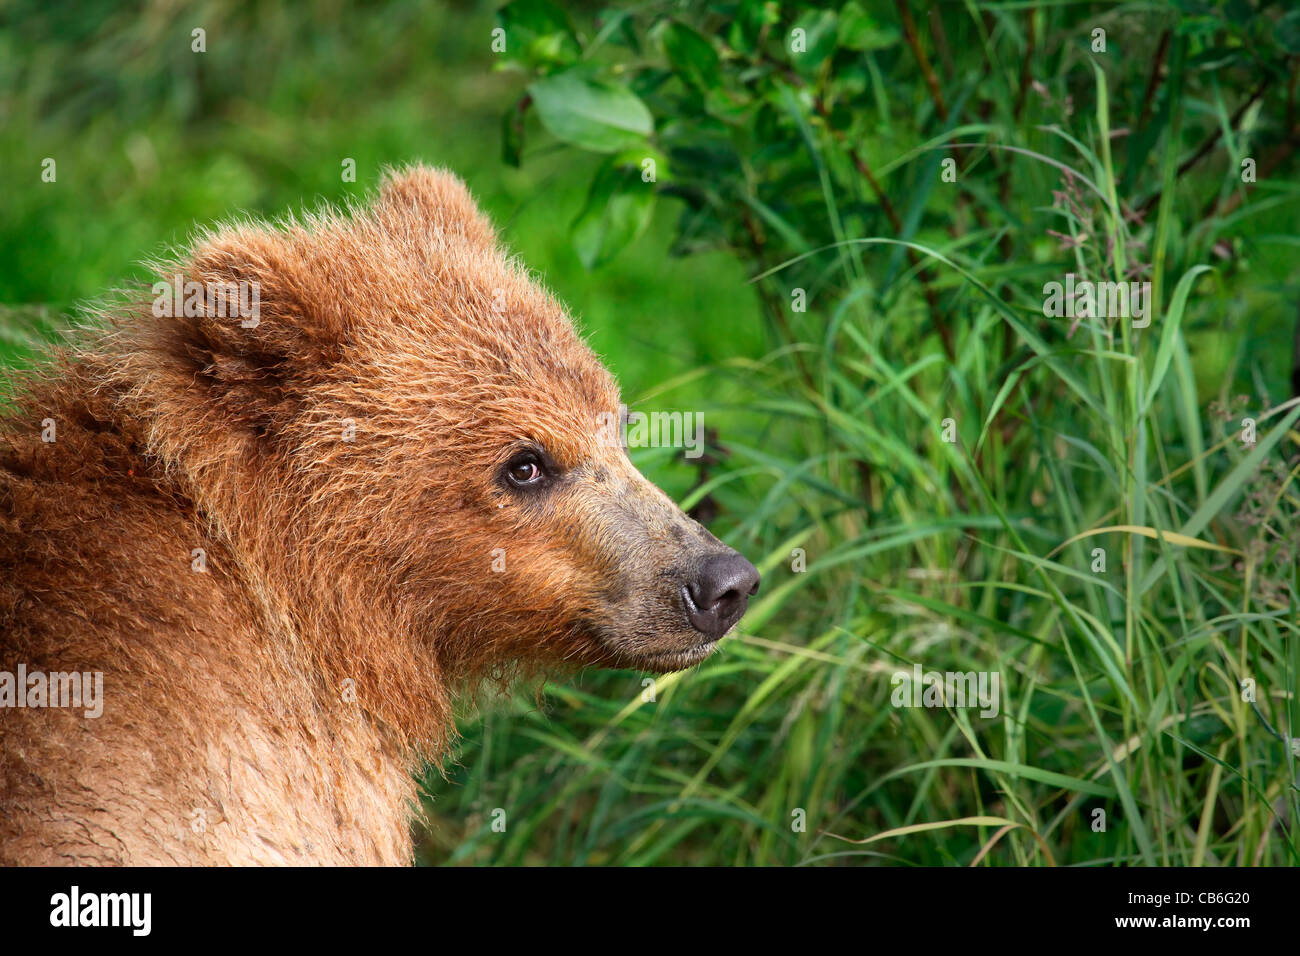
[287,545]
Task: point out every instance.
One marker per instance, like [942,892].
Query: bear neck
[337,622]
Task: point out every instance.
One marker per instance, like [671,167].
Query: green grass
[1122,687]
[1125,738]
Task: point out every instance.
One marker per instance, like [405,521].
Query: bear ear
[254,316]
[422,197]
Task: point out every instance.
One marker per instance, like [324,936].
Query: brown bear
[283,538]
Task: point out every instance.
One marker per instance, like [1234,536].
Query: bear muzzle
[718,593]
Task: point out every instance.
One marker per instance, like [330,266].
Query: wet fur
[273,708]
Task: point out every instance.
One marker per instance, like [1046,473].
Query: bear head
[392,402]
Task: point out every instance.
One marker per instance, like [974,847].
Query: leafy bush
[1097,508]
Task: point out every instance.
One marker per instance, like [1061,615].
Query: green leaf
[812,40]
[858,31]
[1172,323]
[692,56]
[1288,32]
[1049,778]
[537,35]
[619,207]
[594,114]
[748,23]
[618,27]
[1232,485]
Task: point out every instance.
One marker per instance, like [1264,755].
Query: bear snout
[718,593]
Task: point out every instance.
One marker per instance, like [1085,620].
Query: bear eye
[524,469]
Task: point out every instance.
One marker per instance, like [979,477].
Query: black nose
[717,597]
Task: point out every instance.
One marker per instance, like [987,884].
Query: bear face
[422,425]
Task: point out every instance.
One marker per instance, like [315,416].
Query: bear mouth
[657,656]
[666,662]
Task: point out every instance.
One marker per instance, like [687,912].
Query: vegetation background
[1149,708]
